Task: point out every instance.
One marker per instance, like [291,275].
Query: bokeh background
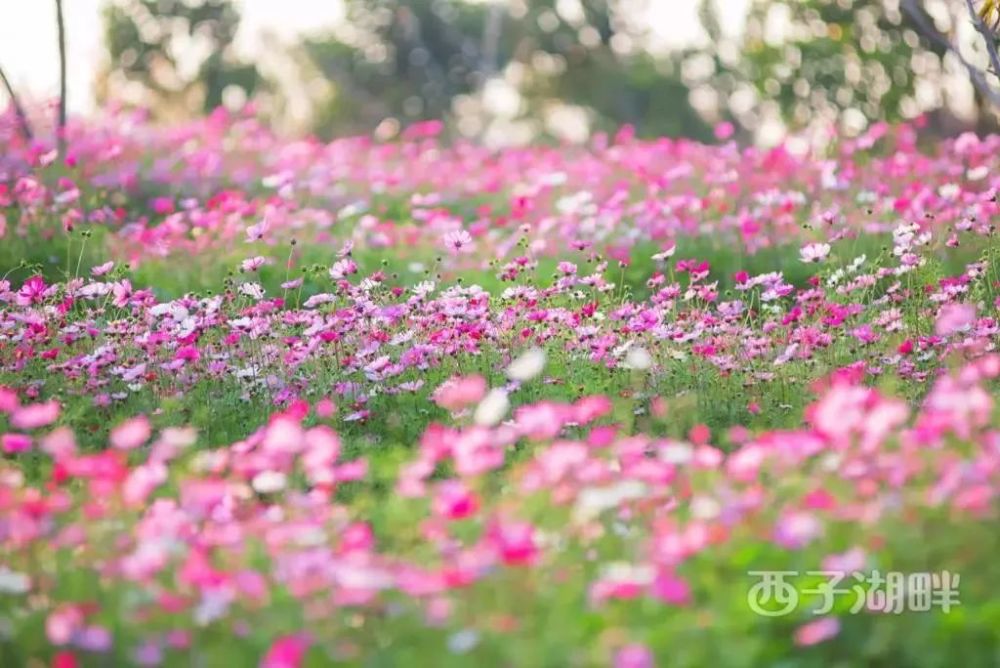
[509,71]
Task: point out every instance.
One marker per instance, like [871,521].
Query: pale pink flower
[816,632]
[8,400]
[102,269]
[131,433]
[343,268]
[35,415]
[954,318]
[634,656]
[458,241]
[460,392]
[253,263]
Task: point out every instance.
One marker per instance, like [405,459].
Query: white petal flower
[492,409]
[527,366]
[12,582]
[269,482]
[814,252]
[638,359]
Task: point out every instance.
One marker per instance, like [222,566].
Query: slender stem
[22,118]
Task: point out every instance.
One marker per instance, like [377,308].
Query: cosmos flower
[458,241]
[816,252]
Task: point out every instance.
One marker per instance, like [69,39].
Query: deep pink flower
[15,443]
[514,542]
[32,292]
[453,500]
[286,652]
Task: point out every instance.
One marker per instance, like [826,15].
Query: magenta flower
[286,652]
[15,443]
[33,291]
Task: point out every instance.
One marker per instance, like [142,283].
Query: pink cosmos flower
[954,318]
[65,659]
[62,624]
[102,269]
[458,242]
[816,632]
[343,268]
[122,291]
[35,415]
[14,443]
[634,656]
[257,232]
[460,392]
[797,529]
[671,589]
[162,205]
[286,652]
[8,400]
[724,130]
[325,408]
[514,542]
[253,263]
[453,500]
[131,434]
[32,292]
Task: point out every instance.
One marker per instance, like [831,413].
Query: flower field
[385,403]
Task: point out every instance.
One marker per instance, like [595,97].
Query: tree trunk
[61,125]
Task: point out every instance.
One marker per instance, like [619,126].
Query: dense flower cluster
[292,403]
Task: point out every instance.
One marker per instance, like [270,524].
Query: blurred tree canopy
[795,62]
[173,55]
[851,58]
[854,61]
[413,59]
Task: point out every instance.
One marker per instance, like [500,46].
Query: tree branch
[22,117]
[976,75]
[989,37]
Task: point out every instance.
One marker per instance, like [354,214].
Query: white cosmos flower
[269,482]
[12,582]
[814,252]
[638,359]
[665,253]
[527,366]
[492,409]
